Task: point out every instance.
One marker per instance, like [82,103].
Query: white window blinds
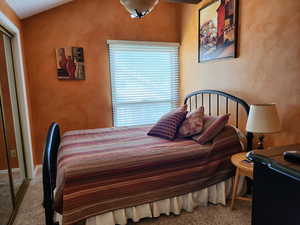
[144,81]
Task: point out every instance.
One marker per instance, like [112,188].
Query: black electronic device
[292,156]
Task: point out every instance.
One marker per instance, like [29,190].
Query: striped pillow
[212,127]
[167,126]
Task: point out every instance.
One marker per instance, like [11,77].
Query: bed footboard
[49,171]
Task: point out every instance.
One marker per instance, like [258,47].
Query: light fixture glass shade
[139,8]
[263,118]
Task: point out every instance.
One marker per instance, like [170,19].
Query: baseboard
[6,171]
[37,167]
[3,171]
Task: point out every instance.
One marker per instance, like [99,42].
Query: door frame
[21,91]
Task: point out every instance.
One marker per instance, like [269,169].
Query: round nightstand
[242,169]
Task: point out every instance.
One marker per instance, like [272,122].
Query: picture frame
[218,30]
[70,63]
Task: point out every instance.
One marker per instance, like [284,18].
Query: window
[144,81]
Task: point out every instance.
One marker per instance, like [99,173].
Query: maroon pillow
[181,108]
[193,124]
[212,127]
[168,124]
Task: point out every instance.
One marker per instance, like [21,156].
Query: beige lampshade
[263,118]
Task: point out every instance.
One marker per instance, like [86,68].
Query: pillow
[168,124]
[212,126]
[193,124]
[242,138]
[181,108]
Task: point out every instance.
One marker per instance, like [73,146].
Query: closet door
[11,117]
[6,180]
[12,163]
[6,192]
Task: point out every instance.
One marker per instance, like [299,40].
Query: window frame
[163,44]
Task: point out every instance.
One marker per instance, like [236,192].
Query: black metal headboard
[198,96]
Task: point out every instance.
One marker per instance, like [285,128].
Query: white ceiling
[27,8]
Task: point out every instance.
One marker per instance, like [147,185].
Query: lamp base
[260,144]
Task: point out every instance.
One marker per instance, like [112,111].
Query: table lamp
[263,119]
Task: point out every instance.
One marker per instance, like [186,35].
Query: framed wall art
[218,30]
[70,63]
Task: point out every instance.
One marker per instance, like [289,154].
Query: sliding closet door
[12,120]
[12,162]
[6,179]
[6,194]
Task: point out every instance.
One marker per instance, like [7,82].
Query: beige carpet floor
[32,213]
[6,204]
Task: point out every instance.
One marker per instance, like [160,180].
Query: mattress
[101,170]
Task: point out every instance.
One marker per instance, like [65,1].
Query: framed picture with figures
[70,63]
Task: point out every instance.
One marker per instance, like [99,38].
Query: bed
[115,174]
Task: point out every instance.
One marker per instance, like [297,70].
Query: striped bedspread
[101,170]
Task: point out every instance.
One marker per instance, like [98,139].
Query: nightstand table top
[243,167]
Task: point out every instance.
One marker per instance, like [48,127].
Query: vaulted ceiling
[27,8]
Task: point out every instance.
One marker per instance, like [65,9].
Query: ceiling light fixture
[139,8]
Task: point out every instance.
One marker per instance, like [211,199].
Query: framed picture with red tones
[218,22]
[70,63]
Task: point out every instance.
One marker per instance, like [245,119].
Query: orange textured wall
[268,66]
[88,24]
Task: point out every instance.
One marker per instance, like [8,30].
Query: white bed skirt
[215,194]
